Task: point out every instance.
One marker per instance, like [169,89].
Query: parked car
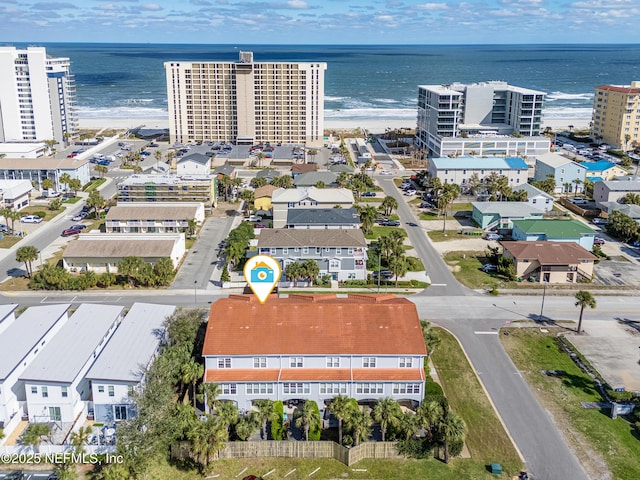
[489,267]
[369,194]
[386,172]
[81,216]
[493,236]
[598,241]
[409,193]
[78,226]
[30,219]
[599,221]
[382,274]
[259,226]
[253,218]
[391,223]
[70,231]
[579,201]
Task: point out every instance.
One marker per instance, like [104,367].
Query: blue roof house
[569,175]
[602,170]
[460,169]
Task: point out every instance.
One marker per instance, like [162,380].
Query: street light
[544,293]
[195,292]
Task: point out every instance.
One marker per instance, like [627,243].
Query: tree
[449,193]
[386,412]
[227,413]
[431,337]
[474,183]
[309,418]
[247,424]
[192,371]
[584,299]
[627,137]
[341,408]
[75,185]
[163,272]
[207,439]
[622,226]
[35,434]
[389,204]
[429,414]
[293,272]
[343,179]
[192,226]
[260,157]
[312,152]
[283,181]
[248,196]
[101,170]
[209,393]
[548,185]
[65,179]
[368,216]
[577,182]
[80,438]
[409,424]
[451,429]
[311,270]
[95,201]
[130,266]
[258,182]
[359,422]
[399,266]
[47,183]
[266,413]
[631,199]
[27,254]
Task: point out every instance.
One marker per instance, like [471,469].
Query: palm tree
[312,152]
[27,254]
[389,204]
[101,170]
[35,434]
[386,412]
[209,393]
[452,429]
[399,266]
[431,337]
[448,194]
[260,157]
[341,407]
[247,425]
[95,201]
[192,226]
[359,422]
[627,137]
[192,371]
[130,266]
[227,413]
[631,199]
[207,439]
[266,413]
[311,270]
[293,272]
[577,183]
[248,196]
[343,179]
[64,179]
[80,438]
[584,299]
[75,184]
[429,414]
[309,417]
[409,424]
[368,216]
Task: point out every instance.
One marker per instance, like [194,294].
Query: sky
[321,21]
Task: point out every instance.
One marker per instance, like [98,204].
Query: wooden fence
[294,449]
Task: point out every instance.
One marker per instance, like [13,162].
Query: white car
[253,218]
[408,193]
[30,219]
[386,172]
[493,236]
[79,217]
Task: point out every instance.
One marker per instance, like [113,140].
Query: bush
[415,264]
[55,204]
[416,447]
[277,427]
[106,279]
[455,448]
[316,430]
[40,214]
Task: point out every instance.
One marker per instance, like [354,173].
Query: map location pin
[262,273]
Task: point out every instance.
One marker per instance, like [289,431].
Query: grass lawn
[371,199]
[93,184]
[9,241]
[31,209]
[438,236]
[467,270]
[486,438]
[72,200]
[433,215]
[461,207]
[378,231]
[592,434]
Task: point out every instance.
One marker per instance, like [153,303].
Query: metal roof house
[194,164]
[565,172]
[554,230]
[459,170]
[55,384]
[500,215]
[536,197]
[285,199]
[122,364]
[323,218]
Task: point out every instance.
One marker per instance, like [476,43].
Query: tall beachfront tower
[246,102]
[37,96]
[616,115]
[489,109]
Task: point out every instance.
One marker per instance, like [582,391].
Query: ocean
[362,81]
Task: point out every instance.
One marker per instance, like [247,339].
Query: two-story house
[315,347]
[55,384]
[194,164]
[460,170]
[285,199]
[569,175]
[121,367]
[554,230]
[536,197]
[21,339]
[153,218]
[340,253]
[614,190]
[323,218]
[602,170]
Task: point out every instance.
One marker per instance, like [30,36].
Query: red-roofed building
[315,347]
[615,111]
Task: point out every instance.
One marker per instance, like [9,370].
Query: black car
[392,223]
[369,194]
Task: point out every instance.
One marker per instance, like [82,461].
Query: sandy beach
[371,125]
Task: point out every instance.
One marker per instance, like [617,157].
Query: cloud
[432,6]
[53,6]
[298,4]
[203,3]
[154,7]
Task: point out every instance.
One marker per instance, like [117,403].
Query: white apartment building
[480,119]
[246,101]
[37,96]
[460,170]
[55,385]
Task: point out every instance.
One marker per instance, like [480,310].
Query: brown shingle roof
[152,212]
[304,167]
[144,247]
[264,191]
[314,325]
[290,237]
[549,253]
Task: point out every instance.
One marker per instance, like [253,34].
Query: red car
[259,226]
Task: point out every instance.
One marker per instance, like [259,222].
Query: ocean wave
[553,96]
[566,112]
[130,101]
[371,113]
[121,112]
[385,100]
[329,98]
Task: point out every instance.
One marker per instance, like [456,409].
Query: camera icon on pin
[261,273]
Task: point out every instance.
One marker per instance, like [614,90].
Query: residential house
[554,231]
[225,170]
[614,190]
[194,164]
[628,209]
[55,384]
[101,252]
[339,168]
[569,175]
[37,169]
[298,168]
[153,218]
[121,367]
[602,170]
[535,197]
[315,347]
[268,174]
[15,194]
[262,197]
[500,215]
[342,254]
[169,188]
[22,338]
[550,262]
[323,218]
[311,179]
[285,199]
[460,170]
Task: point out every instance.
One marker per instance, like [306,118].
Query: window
[285,251]
[120,412]
[333,388]
[224,363]
[259,362]
[65,393]
[368,362]
[365,388]
[338,251]
[405,362]
[402,388]
[130,390]
[305,250]
[296,388]
[101,388]
[45,392]
[295,362]
[259,388]
[228,388]
[34,390]
[111,391]
[333,362]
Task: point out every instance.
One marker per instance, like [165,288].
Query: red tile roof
[314,325]
[620,89]
[241,375]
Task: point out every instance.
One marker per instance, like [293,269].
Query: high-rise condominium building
[459,118]
[37,96]
[616,115]
[246,102]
